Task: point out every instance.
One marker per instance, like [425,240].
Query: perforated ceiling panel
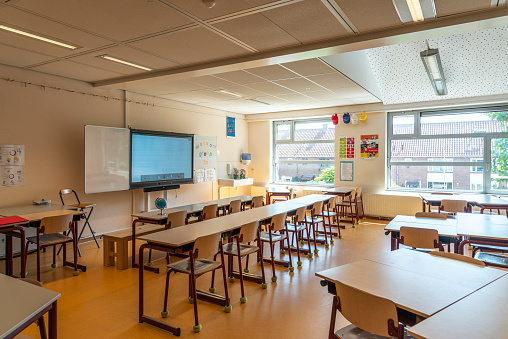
[474,64]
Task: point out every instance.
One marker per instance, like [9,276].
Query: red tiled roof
[459,127]
[315,151]
[450,148]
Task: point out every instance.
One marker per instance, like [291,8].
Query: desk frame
[9,232]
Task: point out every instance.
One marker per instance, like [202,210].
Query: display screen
[160,158]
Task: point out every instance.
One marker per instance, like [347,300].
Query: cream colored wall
[50,124]
[260,147]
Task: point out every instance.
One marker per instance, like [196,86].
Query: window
[304,151]
[459,150]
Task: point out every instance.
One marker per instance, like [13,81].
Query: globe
[161,204]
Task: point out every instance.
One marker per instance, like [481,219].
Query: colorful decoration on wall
[354,119]
[363,117]
[335,119]
[369,146]
[346,118]
[12,165]
[346,171]
[230,127]
[346,147]
[205,158]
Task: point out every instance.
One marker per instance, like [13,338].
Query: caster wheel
[246,270]
[274,279]
[212,289]
[264,286]
[302,242]
[54,265]
[231,279]
[323,283]
[75,273]
[228,309]
[291,269]
[470,248]
[354,226]
[149,264]
[197,328]
[309,255]
[327,246]
[167,269]
[332,241]
[340,236]
[316,251]
[259,263]
[282,252]
[164,314]
[191,300]
[317,233]
[364,218]
[243,300]
[299,263]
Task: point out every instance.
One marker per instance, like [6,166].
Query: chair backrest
[210,211]
[358,192]
[332,203]
[291,193]
[176,219]
[278,222]
[207,246]
[459,257]
[317,208]
[56,224]
[248,232]
[300,214]
[257,201]
[235,206]
[366,311]
[419,237]
[430,215]
[453,206]
[66,191]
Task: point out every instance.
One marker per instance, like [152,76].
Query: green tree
[327,175]
[499,154]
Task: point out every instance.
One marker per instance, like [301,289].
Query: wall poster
[369,146]
[346,171]
[12,165]
[231,127]
[205,158]
[346,147]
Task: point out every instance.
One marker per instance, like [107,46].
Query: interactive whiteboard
[107,152]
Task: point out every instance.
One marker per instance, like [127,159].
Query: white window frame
[291,140]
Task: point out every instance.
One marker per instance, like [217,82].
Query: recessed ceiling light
[38,37]
[416,10]
[233,94]
[124,62]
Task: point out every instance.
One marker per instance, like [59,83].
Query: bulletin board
[205,158]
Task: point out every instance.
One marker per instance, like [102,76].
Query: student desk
[482,314]
[340,191]
[492,229]
[184,237]
[22,304]
[33,214]
[154,217]
[416,282]
[275,191]
[481,200]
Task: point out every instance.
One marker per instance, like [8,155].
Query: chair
[209,212]
[458,257]
[296,229]
[288,197]
[174,220]
[432,215]
[277,232]
[370,316]
[348,206]
[416,237]
[316,217]
[257,201]
[197,264]
[359,202]
[242,248]
[492,259]
[51,233]
[235,206]
[331,212]
[453,206]
[81,207]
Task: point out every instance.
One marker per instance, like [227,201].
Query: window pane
[307,151]
[314,130]
[403,124]
[449,178]
[448,150]
[461,123]
[282,131]
[309,173]
[499,164]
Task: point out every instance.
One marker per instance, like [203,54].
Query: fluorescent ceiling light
[416,10]
[124,62]
[233,94]
[38,37]
[432,63]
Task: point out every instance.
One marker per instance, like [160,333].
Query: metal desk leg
[52,321]
[133,241]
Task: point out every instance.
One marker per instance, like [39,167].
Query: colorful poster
[12,176]
[346,147]
[12,169]
[346,171]
[231,127]
[369,146]
[205,158]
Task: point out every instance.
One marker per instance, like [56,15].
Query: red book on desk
[11,220]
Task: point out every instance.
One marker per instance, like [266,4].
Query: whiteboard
[107,156]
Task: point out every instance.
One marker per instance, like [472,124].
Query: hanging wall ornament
[363,117]
[335,119]
[354,119]
[346,118]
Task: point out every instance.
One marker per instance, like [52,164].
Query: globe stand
[161,204]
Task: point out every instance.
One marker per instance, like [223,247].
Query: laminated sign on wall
[12,165]
[205,158]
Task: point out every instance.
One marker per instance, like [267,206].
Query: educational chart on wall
[346,171]
[346,147]
[12,165]
[230,127]
[205,158]
[369,146]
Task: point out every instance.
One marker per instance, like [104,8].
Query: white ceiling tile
[296,98]
[337,102]
[365,100]
[167,88]
[309,67]
[273,100]
[245,91]
[222,7]
[270,88]
[225,104]
[20,58]
[322,95]
[189,97]
[352,92]
[301,85]
[239,77]
[74,70]
[272,72]
[332,81]
[210,81]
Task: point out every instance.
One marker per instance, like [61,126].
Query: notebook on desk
[11,220]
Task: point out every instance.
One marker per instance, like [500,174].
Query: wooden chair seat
[315,219]
[83,205]
[231,249]
[353,332]
[265,236]
[50,239]
[201,266]
[493,259]
[296,228]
